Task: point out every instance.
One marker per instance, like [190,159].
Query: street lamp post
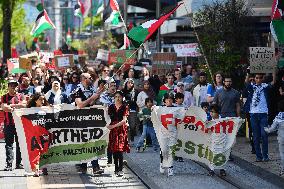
[158,12]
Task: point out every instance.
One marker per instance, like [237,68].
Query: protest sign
[163,63]
[187,50]
[21,48]
[61,134]
[262,59]
[25,63]
[64,61]
[45,56]
[206,142]
[102,55]
[119,57]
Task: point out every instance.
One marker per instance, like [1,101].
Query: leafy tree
[225,31]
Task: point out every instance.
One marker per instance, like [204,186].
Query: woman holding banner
[118,140]
[37,100]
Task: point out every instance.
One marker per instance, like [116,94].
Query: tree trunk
[7,8]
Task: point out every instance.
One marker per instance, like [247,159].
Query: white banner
[206,142]
[187,50]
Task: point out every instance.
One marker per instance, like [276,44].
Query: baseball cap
[12,81]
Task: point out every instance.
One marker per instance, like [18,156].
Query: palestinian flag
[142,33]
[98,7]
[68,37]
[277,22]
[42,23]
[114,16]
[126,43]
[82,9]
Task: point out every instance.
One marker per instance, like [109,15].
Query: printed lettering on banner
[206,142]
[61,134]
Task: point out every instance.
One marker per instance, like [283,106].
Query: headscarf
[56,94]
[150,92]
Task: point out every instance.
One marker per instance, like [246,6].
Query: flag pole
[198,40]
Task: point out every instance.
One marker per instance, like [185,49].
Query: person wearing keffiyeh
[258,105]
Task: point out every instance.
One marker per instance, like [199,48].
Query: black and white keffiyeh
[257,91]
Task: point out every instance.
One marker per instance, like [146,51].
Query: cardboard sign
[45,56]
[187,50]
[25,63]
[64,61]
[163,63]
[262,59]
[119,57]
[102,55]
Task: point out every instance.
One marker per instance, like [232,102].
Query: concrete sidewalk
[66,176]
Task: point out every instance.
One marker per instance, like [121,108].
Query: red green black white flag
[42,23]
[142,33]
[277,22]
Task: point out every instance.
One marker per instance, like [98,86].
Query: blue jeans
[258,122]
[150,131]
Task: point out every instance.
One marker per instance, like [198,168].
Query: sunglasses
[180,85]
[106,70]
[259,78]
[75,77]
[65,78]
[117,96]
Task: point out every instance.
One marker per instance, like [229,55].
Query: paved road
[242,173]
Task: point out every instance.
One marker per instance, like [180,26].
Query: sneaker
[8,167]
[138,149]
[170,171]
[36,174]
[211,173]
[120,174]
[98,171]
[19,166]
[266,160]
[258,160]
[109,164]
[222,173]
[156,150]
[44,171]
[231,158]
[162,169]
[180,159]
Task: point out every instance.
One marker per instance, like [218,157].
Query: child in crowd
[168,139]
[147,126]
[118,140]
[179,98]
[205,106]
[215,114]
[278,124]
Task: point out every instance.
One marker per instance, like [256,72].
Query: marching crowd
[130,97]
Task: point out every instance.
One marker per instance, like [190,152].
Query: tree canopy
[225,31]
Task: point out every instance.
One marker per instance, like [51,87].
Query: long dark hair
[34,98]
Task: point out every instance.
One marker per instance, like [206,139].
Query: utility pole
[125,2]
[92,25]
[158,13]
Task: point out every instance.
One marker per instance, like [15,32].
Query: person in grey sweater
[278,124]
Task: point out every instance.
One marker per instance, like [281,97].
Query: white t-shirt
[259,104]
